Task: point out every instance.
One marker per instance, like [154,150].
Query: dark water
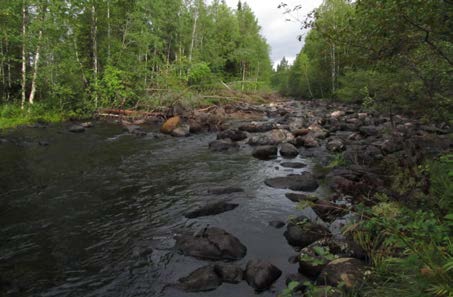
[94,214]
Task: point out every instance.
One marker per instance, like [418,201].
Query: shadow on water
[94,214]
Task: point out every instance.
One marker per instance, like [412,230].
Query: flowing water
[95,214]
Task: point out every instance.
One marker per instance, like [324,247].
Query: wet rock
[337,114]
[294,165]
[257,127]
[301,132]
[307,141]
[389,146]
[298,197]
[300,232]
[225,190]
[170,125]
[316,131]
[76,129]
[288,150]
[346,271]
[276,136]
[223,145]
[261,274]
[363,154]
[303,182]
[335,145]
[3,140]
[40,143]
[211,244]
[87,125]
[369,130]
[266,152]
[201,280]
[328,211]
[229,273]
[181,131]
[211,209]
[136,130]
[234,135]
[277,224]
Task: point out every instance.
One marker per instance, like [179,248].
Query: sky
[279,33]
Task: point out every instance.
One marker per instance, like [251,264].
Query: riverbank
[391,179]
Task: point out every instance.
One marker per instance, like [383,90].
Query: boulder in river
[211,209]
[335,145]
[300,232]
[303,182]
[181,131]
[201,280]
[76,129]
[261,274]
[87,125]
[294,165]
[229,273]
[223,145]
[265,152]
[234,135]
[211,244]
[348,272]
[287,150]
[170,125]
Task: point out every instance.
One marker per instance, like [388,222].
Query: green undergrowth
[11,115]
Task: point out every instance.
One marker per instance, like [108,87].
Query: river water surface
[95,214]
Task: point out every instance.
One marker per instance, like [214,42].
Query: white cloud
[280,34]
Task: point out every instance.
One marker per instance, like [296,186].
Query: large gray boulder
[211,244]
[303,182]
[300,232]
[261,274]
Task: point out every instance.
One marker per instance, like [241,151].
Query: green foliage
[322,256]
[290,289]
[411,248]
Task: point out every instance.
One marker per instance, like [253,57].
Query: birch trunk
[94,31]
[194,30]
[31,98]
[24,60]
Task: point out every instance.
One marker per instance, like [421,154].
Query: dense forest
[392,55]
[80,55]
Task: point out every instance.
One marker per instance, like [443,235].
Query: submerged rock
[211,244]
[303,182]
[223,145]
[277,224]
[135,130]
[225,190]
[76,129]
[300,232]
[261,274]
[211,209]
[266,152]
